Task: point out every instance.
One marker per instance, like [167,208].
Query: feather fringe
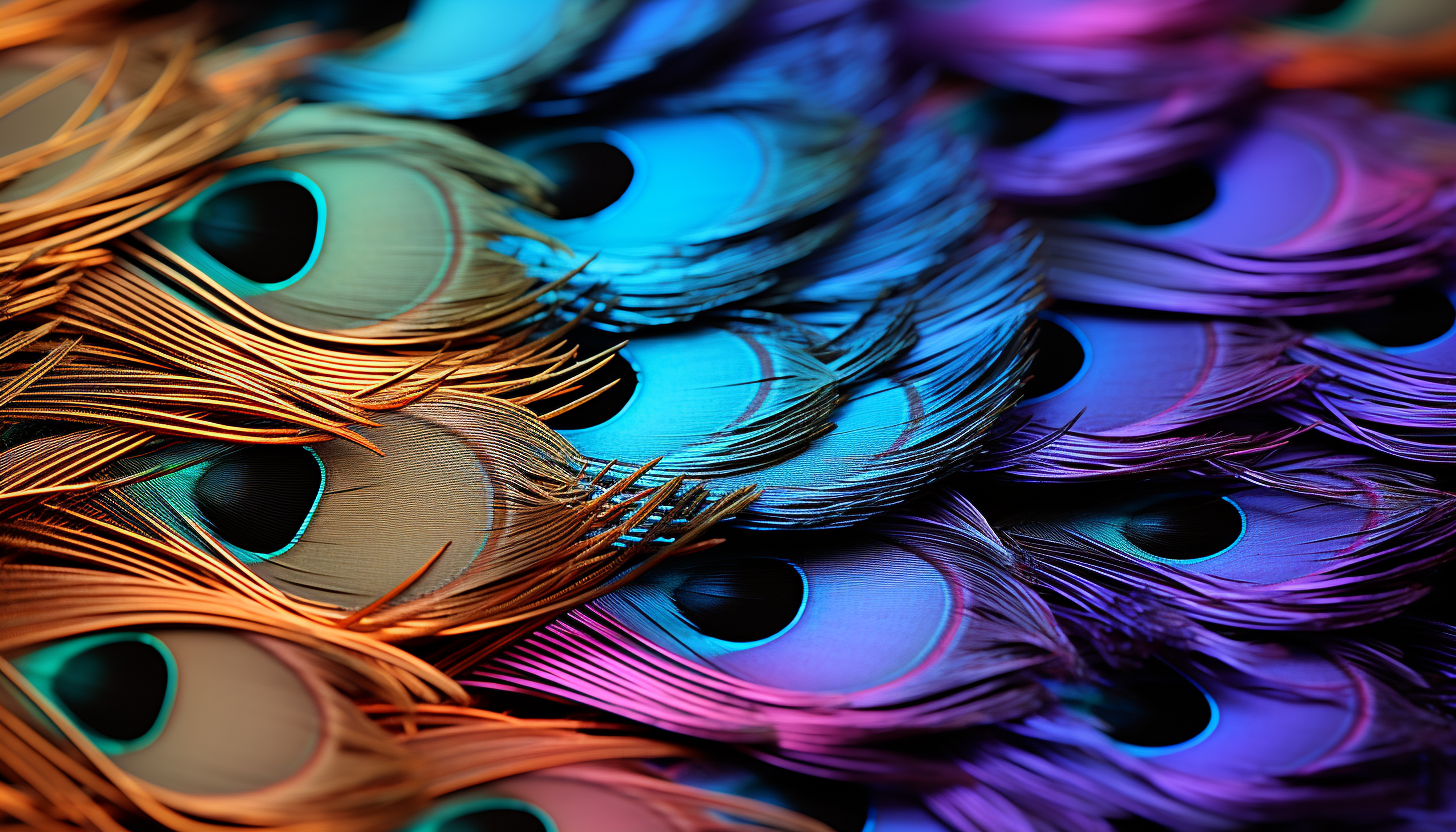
[973,323]
[1203,282]
[135,337]
[922,200]
[1375,400]
[143,157]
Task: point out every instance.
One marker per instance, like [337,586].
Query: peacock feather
[719,415]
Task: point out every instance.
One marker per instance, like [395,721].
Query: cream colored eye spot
[241,721]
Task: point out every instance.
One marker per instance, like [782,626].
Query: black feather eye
[1414,316]
[841,806]
[495,820]
[589,176]
[1314,7]
[116,690]
[1185,527]
[264,231]
[258,497]
[1021,117]
[741,600]
[1059,358]
[1174,197]
[1152,707]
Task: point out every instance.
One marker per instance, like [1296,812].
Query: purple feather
[843,806]
[1385,378]
[1040,150]
[1323,205]
[1308,736]
[1306,541]
[1086,51]
[901,628]
[1116,393]
[1195,745]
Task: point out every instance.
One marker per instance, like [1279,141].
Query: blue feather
[698,210]
[651,32]
[714,403]
[460,58]
[831,56]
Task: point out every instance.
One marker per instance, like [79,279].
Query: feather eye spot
[841,806]
[116,690]
[1059,360]
[1185,528]
[743,600]
[495,820]
[264,231]
[1172,198]
[1154,708]
[589,176]
[259,498]
[1017,118]
[1415,316]
[1311,8]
